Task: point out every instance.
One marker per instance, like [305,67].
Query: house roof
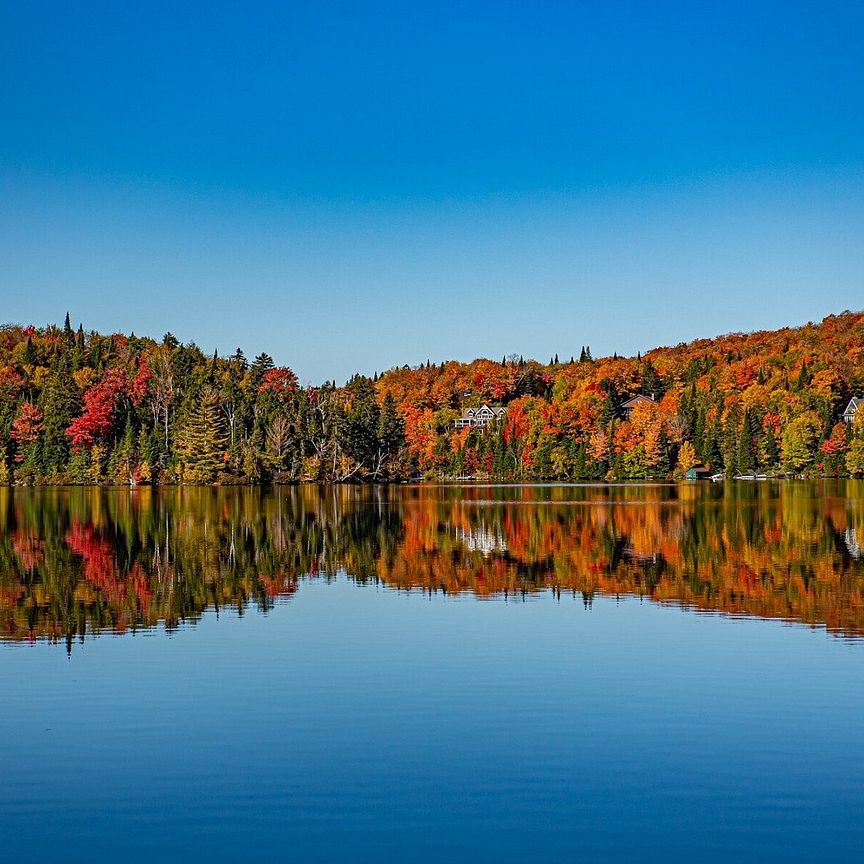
[498,410]
[635,400]
[853,405]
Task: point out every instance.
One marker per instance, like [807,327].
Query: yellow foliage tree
[687,457]
[855,456]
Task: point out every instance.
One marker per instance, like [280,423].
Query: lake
[433,673]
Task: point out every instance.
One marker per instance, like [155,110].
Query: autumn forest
[81,408]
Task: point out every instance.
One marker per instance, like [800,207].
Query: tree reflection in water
[79,560]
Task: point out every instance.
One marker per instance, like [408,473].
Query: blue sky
[352,186]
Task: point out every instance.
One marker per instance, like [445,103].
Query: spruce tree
[261,365]
[60,403]
[746,456]
[202,440]
[391,432]
[29,353]
[68,333]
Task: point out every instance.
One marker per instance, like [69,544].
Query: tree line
[82,407]
[86,408]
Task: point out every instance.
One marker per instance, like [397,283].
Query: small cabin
[479,417]
[698,472]
[628,406]
[852,409]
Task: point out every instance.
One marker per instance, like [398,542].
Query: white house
[852,409]
[479,417]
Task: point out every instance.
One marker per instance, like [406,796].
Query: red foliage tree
[99,402]
[141,382]
[25,428]
[280,381]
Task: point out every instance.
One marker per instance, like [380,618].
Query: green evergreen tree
[652,384]
[391,431]
[261,365]
[60,403]
[202,440]
[729,443]
[746,453]
[361,429]
[29,352]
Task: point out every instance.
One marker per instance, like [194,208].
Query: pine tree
[60,403]
[746,456]
[687,411]
[80,346]
[652,385]
[68,333]
[729,443]
[261,365]
[664,465]
[29,353]
[361,431]
[202,440]
[391,431]
[712,451]
[239,359]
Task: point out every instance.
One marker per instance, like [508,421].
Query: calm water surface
[433,673]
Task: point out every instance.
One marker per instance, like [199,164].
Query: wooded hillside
[82,407]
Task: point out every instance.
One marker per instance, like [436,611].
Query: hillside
[81,407]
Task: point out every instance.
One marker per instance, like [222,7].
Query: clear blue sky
[351,186]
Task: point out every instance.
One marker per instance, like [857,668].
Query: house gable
[479,417]
[633,401]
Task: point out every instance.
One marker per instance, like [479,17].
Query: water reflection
[74,561]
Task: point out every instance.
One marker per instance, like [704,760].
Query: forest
[81,408]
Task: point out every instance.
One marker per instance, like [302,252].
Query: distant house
[699,472]
[628,406]
[852,409]
[479,417]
